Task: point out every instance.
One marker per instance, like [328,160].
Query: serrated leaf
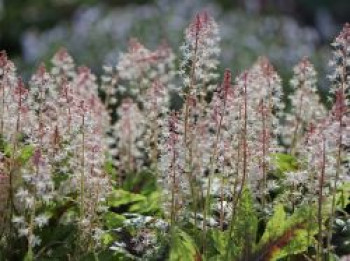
[244,228]
[275,226]
[284,235]
[219,240]
[182,246]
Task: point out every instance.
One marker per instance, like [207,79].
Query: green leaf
[107,239]
[182,247]
[275,226]
[113,220]
[105,255]
[343,195]
[284,162]
[285,236]
[218,240]
[144,183]
[25,154]
[8,150]
[58,242]
[151,204]
[244,228]
[29,256]
[121,197]
[297,244]
[126,201]
[109,169]
[333,257]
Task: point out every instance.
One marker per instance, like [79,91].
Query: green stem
[335,186]
[319,215]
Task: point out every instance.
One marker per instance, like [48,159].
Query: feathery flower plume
[128,131]
[172,164]
[340,62]
[139,68]
[63,66]
[306,107]
[155,110]
[8,82]
[200,52]
[266,97]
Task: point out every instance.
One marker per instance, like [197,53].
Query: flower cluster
[129,130]
[140,84]
[306,108]
[230,149]
[139,68]
[54,130]
[200,53]
[223,144]
[340,61]
[172,167]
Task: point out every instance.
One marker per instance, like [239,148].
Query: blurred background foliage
[95,31]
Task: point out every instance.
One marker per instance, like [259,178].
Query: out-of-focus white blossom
[306,108]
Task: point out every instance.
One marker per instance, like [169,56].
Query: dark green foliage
[139,194]
[182,246]
[143,182]
[123,201]
[341,238]
[59,242]
[244,229]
